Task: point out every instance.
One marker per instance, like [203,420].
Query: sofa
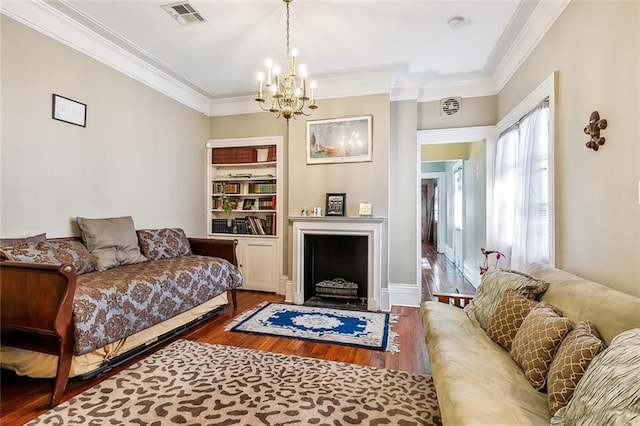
[78,306]
[478,381]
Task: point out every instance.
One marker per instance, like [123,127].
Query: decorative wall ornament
[593,129]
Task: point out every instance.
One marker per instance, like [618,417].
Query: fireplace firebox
[335,267]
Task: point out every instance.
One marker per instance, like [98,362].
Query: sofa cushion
[53,252]
[508,317]
[113,241]
[476,380]
[574,355]
[8,242]
[609,391]
[165,243]
[537,341]
[494,283]
[111,305]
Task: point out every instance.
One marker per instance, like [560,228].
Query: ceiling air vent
[184,13]
[450,106]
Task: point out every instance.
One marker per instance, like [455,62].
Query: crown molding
[393,80]
[541,20]
[45,19]
[338,86]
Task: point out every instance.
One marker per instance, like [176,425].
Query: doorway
[461,155]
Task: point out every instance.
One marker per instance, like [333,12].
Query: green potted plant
[228,205]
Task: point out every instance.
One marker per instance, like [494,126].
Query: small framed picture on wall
[69,111]
[336,204]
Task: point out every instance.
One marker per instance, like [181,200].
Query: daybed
[478,382]
[66,319]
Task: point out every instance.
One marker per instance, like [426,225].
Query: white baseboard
[282,284]
[448,252]
[472,273]
[404,295]
[288,291]
[385,305]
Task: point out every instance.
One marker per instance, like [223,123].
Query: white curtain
[520,225]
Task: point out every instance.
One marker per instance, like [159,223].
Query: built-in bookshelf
[245,175]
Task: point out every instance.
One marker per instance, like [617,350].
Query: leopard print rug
[202,384]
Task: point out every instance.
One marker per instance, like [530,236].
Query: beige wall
[362,182]
[306,185]
[445,151]
[479,111]
[595,46]
[404,230]
[141,154]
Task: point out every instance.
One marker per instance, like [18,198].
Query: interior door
[458,209]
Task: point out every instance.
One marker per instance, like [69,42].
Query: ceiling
[403,45]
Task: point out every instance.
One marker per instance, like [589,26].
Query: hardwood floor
[443,277]
[22,399]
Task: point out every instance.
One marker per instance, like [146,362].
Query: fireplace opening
[335,270]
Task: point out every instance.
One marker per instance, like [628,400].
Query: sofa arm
[225,249]
[36,312]
[455,299]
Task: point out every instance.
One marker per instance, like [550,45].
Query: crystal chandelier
[288,95]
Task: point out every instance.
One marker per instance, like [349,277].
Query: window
[520,225]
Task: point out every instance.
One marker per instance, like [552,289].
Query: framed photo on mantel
[336,204]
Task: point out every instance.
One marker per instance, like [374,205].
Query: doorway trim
[441,136]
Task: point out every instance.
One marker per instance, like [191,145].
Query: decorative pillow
[574,355]
[494,283]
[508,317]
[609,391]
[113,241]
[8,242]
[537,341]
[53,252]
[157,244]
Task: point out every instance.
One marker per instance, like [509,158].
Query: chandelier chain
[288,51]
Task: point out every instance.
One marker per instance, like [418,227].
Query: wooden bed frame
[36,302]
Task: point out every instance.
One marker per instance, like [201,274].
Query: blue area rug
[370,330]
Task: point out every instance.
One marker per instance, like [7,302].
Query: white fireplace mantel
[371,227]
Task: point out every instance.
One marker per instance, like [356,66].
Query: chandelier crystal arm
[288,94]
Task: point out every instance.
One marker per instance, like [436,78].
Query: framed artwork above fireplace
[344,140]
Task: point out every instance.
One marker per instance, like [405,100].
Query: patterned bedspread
[113,304]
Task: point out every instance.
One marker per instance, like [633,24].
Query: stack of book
[226,187]
[233,155]
[267,203]
[263,188]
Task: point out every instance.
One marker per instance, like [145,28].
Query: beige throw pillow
[113,241]
[494,283]
[508,317]
[537,341]
[574,355]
